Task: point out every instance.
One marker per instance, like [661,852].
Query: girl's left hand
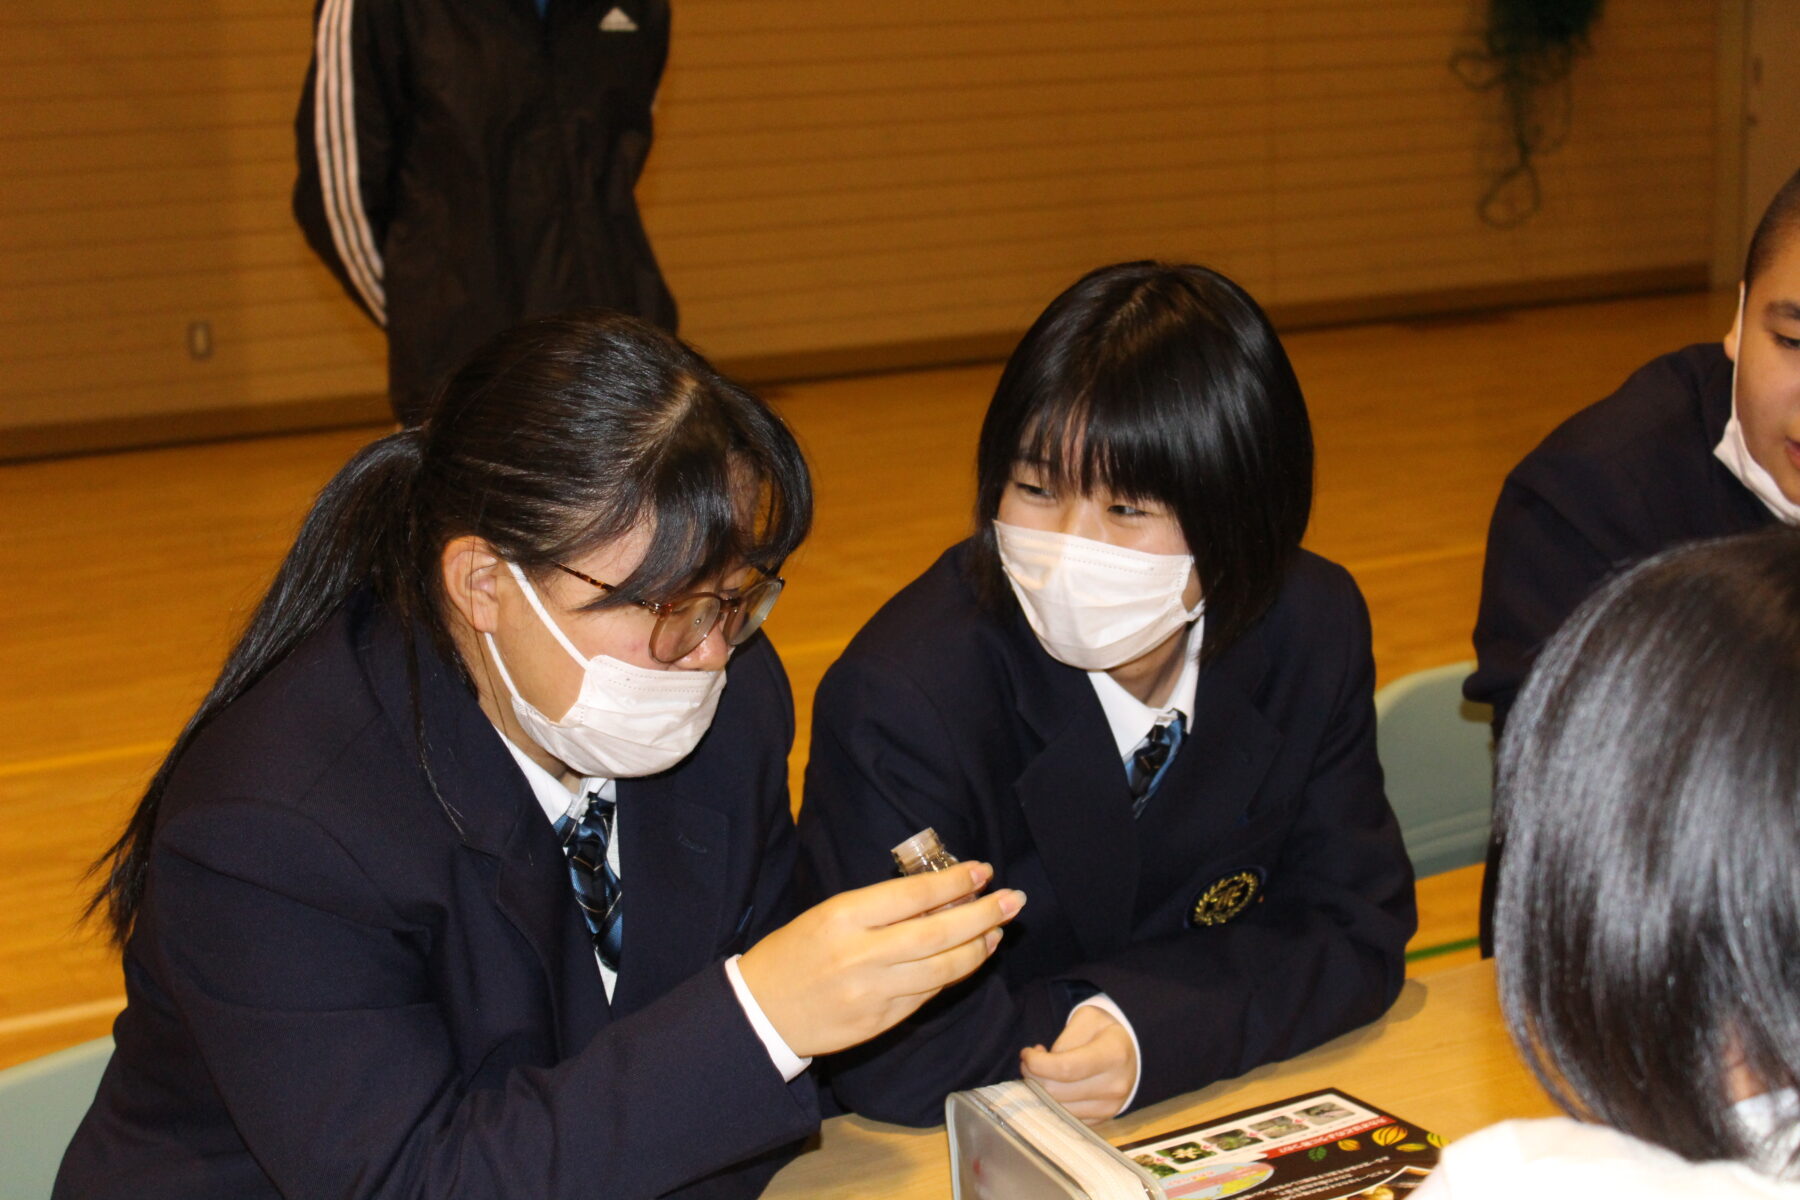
[1092,1068]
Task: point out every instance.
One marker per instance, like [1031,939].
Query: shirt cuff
[786,1061]
[1107,1005]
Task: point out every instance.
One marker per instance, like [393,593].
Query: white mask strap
[562,639]
[1737,343]
[505,675]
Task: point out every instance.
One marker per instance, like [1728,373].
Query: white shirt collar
[552,796]
[1129,718]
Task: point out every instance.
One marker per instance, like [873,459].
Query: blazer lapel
[670,910]
[490,804]
[1075,800]
[532,889]
[1209,787]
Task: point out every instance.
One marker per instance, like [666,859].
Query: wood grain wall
[835,177]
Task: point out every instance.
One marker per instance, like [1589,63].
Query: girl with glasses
[471,875]
[1135,695]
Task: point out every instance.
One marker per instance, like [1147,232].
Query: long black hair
[1649,792]
[1160,382]
[556,437]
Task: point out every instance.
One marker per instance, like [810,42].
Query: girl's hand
[857,964]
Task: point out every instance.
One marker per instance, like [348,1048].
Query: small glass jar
[922,852]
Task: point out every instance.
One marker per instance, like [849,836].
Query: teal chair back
[1437,754]
[41,1103]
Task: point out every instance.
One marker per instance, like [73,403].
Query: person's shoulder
[298,716]
[933,640]
[312,718]
[935,621]
[1557,1157]
[1654,422]
[757,676]
[1317,598]
[1311,638]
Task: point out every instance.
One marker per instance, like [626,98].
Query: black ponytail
[556,437]
[359,526]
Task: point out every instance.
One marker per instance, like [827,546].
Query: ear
[1731,335]
[471,571]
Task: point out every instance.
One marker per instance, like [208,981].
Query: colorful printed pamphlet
[1321,1146]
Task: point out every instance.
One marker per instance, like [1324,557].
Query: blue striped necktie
[596,883]
[1145,768]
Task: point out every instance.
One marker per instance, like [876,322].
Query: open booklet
[1012,1141]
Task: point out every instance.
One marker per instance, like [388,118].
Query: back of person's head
[556,437]
[1779,224]
[1161,382]
[1649,796]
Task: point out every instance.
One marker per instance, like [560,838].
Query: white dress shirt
[1559,1159]
[558,801]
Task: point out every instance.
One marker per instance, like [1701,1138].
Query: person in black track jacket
[465,166]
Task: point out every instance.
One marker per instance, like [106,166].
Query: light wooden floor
[125,574]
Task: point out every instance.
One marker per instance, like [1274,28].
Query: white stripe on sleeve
[334,141]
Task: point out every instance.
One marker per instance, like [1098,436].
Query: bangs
[1115,435]
[1164,383]
[725,487]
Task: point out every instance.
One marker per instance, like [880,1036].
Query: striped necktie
[596,883]
[1144,769]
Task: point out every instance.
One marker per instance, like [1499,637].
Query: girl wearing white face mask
[1135,695]
[471,877]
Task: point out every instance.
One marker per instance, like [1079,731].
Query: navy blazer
[1620,480]
[344,985]
[942,714]
[1623,479]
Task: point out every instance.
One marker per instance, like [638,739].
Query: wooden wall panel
[838,175]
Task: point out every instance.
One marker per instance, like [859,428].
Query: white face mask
[1092,605]
[1734,452]
[1770,1122]
[628,720]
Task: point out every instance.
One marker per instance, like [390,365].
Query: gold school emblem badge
[1226,897]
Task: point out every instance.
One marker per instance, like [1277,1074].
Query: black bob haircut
[555,438]
[1163,382]
[1649,794]
[1780,221]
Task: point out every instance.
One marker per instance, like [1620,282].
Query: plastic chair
[41,1103]
[1437,754]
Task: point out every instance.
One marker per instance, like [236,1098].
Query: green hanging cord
[1527,55]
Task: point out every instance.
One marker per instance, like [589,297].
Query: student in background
[1649,791]
[465,166]
[1704,442]
[1701,443]
[1135,695]
[471,876]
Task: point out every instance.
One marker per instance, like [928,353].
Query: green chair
[41,1103]
[1437,754]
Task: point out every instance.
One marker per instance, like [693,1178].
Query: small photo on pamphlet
[1232,1139]
[1187,1152]
[1155,1165]
[1279,1127]
[1326,1112]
